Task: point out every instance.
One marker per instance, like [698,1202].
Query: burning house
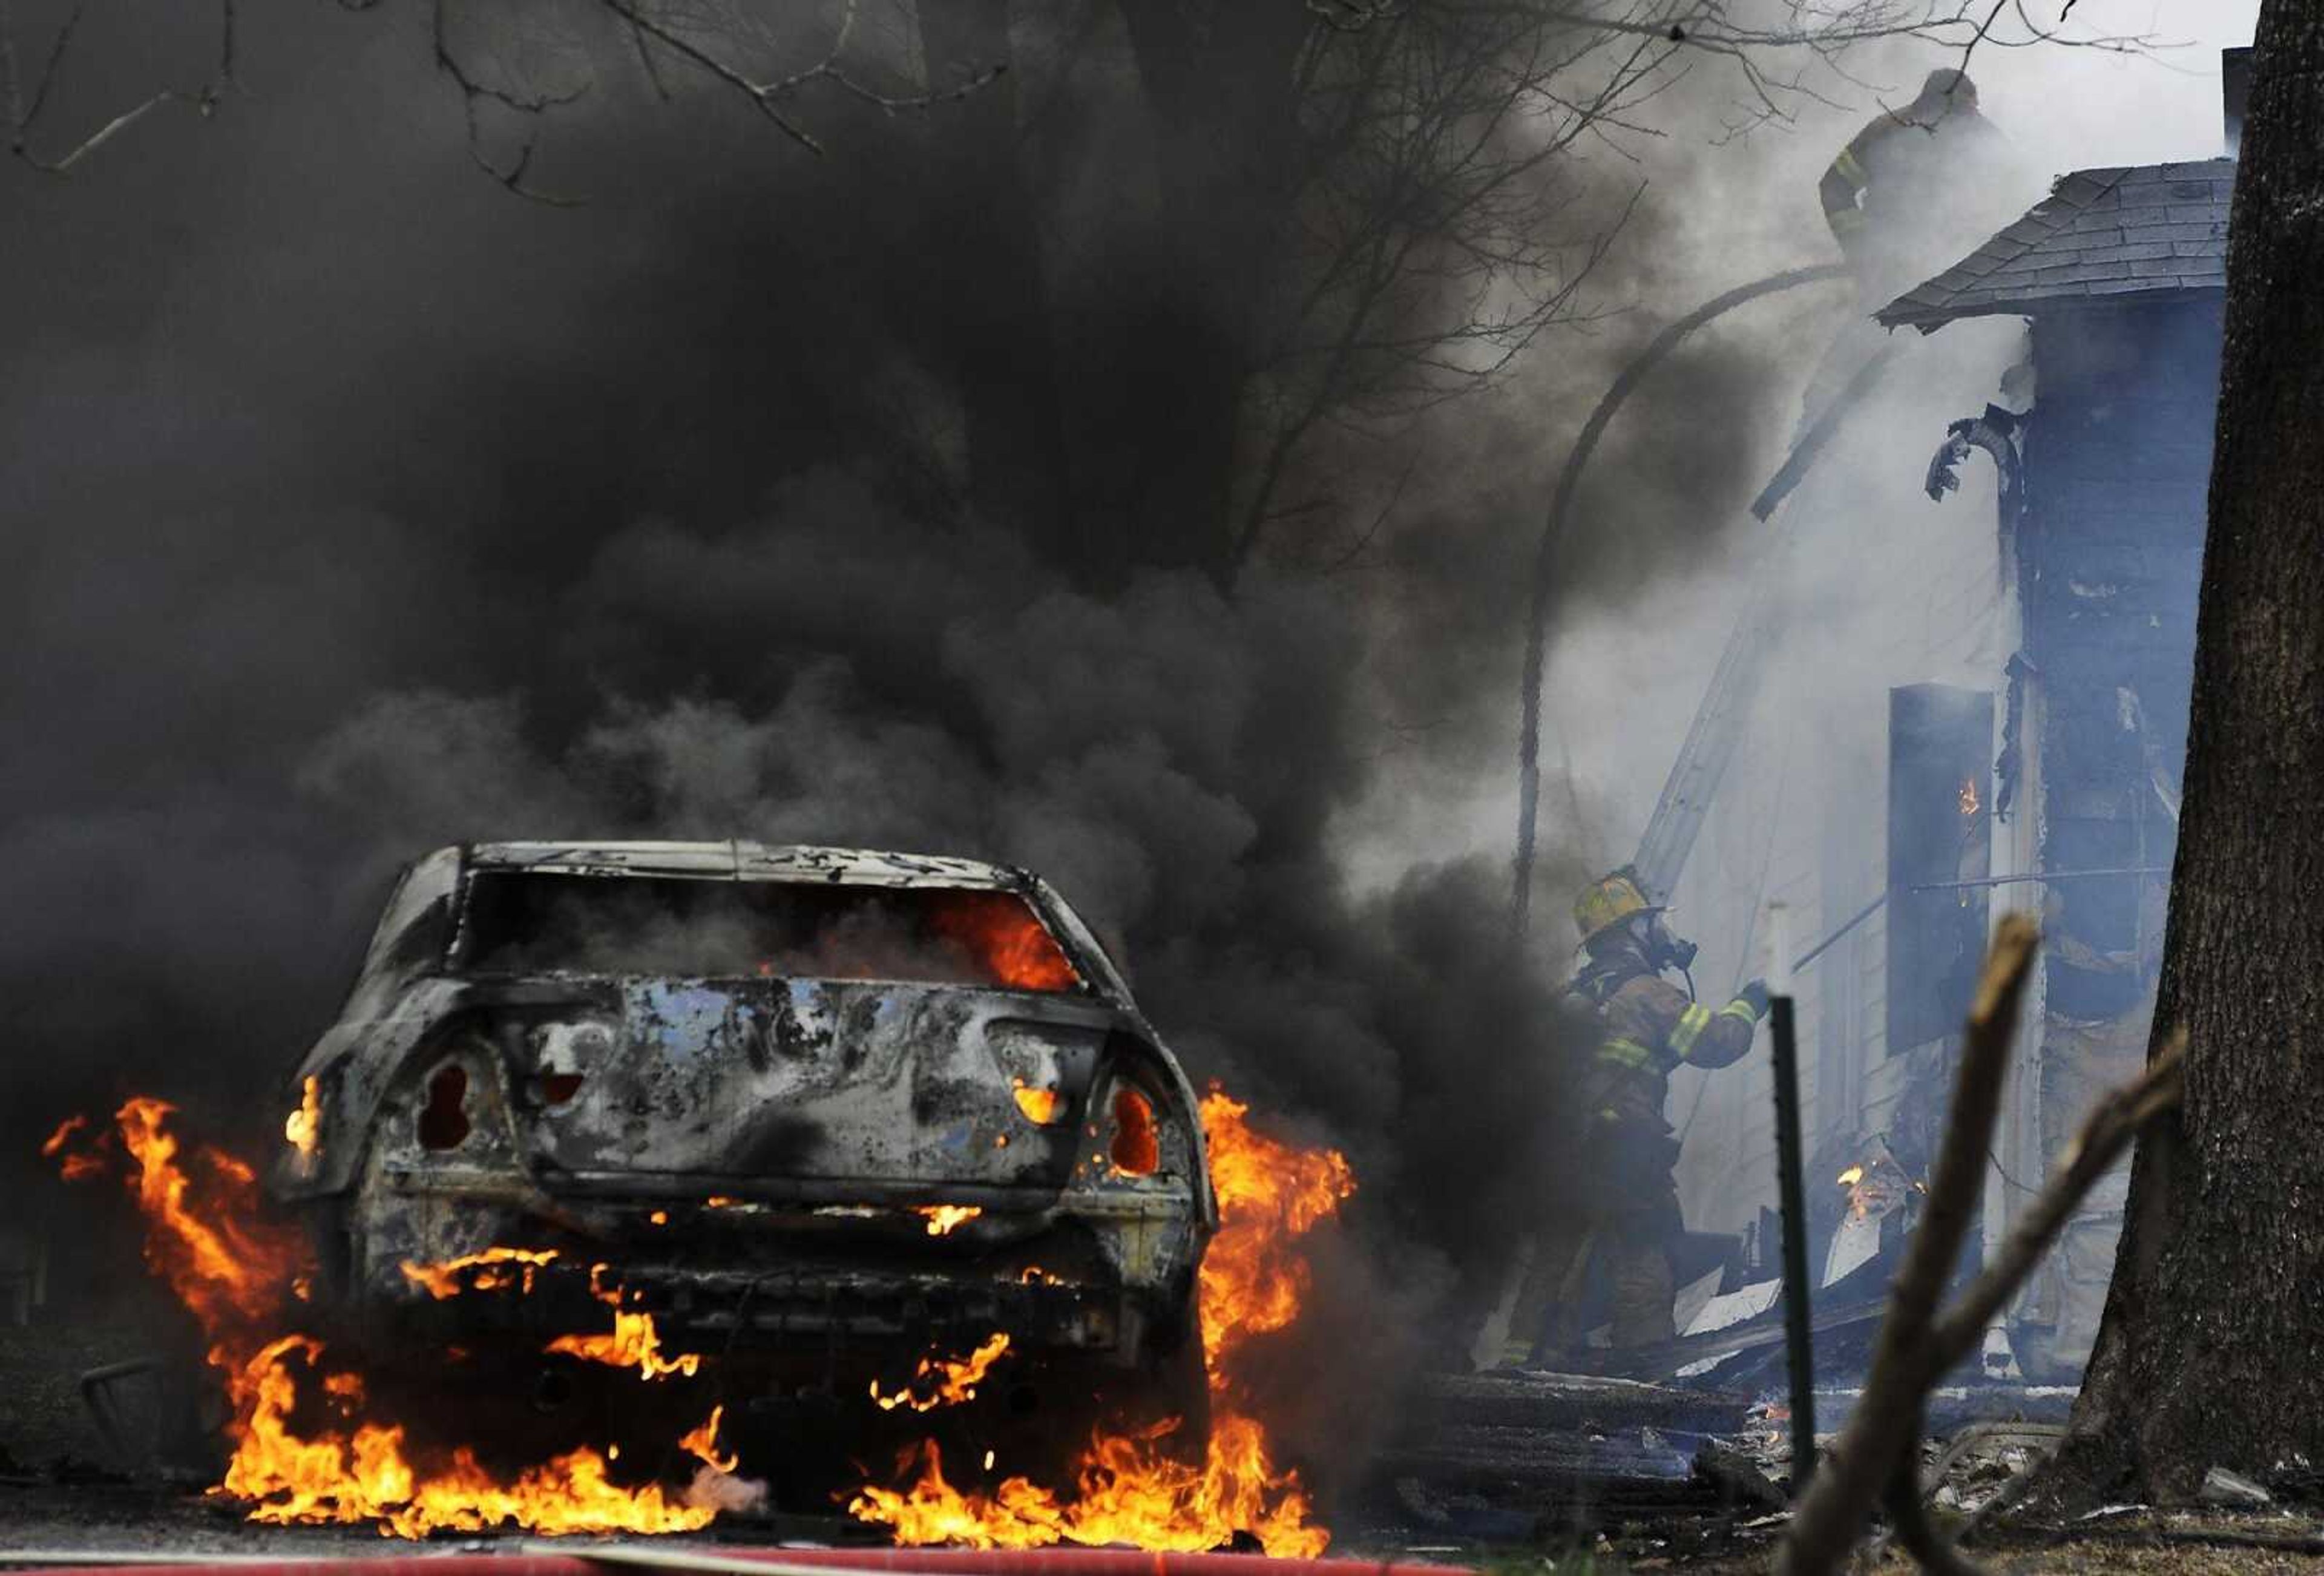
[2021,722]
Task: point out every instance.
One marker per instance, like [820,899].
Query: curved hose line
[1552,533]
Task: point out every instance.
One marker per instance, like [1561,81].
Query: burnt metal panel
[760,1150]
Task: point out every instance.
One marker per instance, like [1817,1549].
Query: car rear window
[536,922]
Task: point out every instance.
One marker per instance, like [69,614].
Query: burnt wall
[2118,462]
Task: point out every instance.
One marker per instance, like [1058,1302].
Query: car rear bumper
[1101,1275]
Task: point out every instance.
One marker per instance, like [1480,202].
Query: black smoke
[359,505]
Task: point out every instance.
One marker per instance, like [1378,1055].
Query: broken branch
[1910,1517]
[1833,1513]
[2105,1134]
[1873,1462]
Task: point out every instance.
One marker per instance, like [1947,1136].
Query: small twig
[1910,1516]
[1983,28]
[2004,1499]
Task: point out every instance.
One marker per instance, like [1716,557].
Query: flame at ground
[939,1383]
[1129,1488]
[365,1475]
[310,1447]
[236,1272]
[942,1218]
[1128,1491]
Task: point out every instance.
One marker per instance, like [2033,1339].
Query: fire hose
[1550,545]
[545,1558]
[541,1558]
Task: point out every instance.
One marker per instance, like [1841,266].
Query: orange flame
[333,1462]
[1128,1489]
[66,1131]
[304,1126]
[1040,1106]
[366,1476]
[236,1272]
[1006,938]
[953,1381]
[75,1164]
[1270,1194]
[1126,1492]
[632,1343]
[1851,1176]
[1968,800]
[493,1269]
[942,1218]
[703,1443]
[204,1233]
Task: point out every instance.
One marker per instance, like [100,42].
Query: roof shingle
[2147,231]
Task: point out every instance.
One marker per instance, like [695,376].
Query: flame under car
[826,1120]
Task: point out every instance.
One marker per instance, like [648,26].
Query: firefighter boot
[1643,1293]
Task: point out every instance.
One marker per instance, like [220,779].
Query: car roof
[739,860]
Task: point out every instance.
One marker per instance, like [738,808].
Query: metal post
[1798,1348]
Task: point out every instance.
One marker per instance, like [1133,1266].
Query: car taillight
[563,1054]
[1042,1107]
[1048,1066]
[1135,1149]
[556,1088]
[444,1118]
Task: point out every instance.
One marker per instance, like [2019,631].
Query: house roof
[2101,237]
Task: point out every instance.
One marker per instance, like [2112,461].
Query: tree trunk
[2211,1351]
[995,311]
[1218,85]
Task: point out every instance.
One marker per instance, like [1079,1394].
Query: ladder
[1726,704]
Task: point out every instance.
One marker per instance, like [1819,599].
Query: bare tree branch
[763,97]
[1439,217]
[476,92]
[643,21]
[23,118]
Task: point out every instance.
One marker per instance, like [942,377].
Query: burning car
[850,1123]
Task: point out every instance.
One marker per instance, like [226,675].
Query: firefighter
[1907,195]
[1887,185]
[1641,1026]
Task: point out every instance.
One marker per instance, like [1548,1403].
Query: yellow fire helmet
[1606,902]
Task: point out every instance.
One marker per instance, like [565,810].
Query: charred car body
[819,1112]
